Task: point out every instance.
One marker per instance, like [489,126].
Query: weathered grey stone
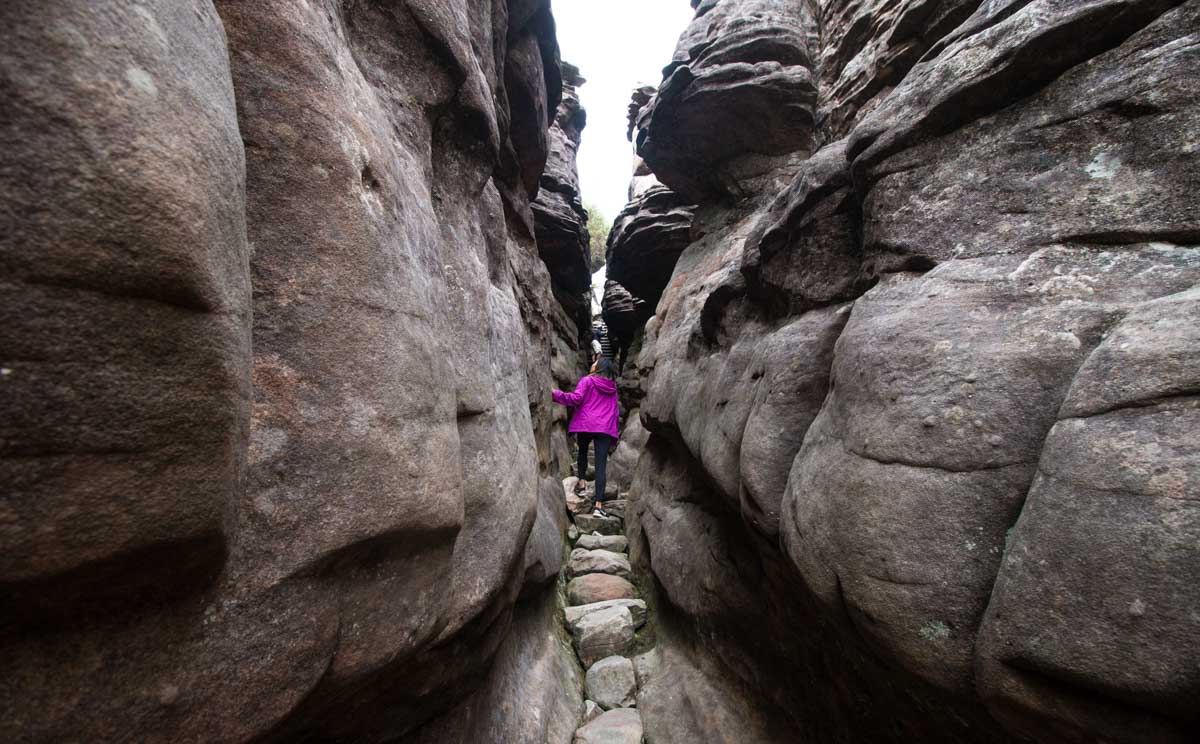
[636,607]
[615,543]
[605,632]
[620,726]
[598,588]
[612,683]
[598,561]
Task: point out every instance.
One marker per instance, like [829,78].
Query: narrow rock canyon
[908,298]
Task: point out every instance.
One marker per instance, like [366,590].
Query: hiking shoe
[599,512]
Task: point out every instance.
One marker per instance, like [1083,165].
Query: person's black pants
[602,442]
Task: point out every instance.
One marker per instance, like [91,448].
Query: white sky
[617,45]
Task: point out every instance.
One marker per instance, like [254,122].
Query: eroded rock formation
[913,434]
[559,217]
[279,457]
[922,391]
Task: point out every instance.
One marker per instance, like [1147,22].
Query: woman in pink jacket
[594,420]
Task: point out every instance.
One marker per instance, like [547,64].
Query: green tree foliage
[598,226]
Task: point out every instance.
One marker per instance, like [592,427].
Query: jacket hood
[604,385]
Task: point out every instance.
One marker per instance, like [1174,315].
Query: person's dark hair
[606,368]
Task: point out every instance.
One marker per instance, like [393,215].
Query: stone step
[605,632]
[615,507]
[637,608]
[576,503]
[612,683]
[598,561]
[620,726]
[602,525]
[615,543]
[592,588]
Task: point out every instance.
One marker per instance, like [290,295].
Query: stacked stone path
[603,615]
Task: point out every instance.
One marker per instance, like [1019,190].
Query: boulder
[620,726]
[611,682]
[598,561]
[593,588]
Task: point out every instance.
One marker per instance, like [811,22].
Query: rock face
[277,435]
[739,87]
[926,363]
[560,220]
[643,246]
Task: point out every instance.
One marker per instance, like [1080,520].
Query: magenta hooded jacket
[595,404]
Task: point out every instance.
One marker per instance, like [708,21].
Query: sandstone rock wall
[922,386]
[279,456]
[559,216]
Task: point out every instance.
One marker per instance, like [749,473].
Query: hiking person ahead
[594,421]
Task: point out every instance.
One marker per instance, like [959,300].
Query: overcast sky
[617,45]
